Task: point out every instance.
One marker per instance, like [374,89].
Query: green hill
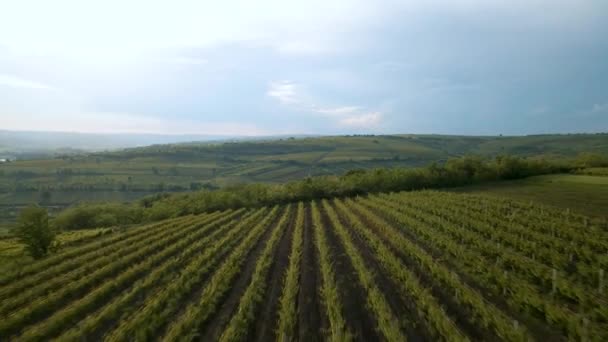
[132,173]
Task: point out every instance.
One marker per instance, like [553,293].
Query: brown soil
[194,295]
[137,302]
[266,320]
[359,319]
[213,328]
[459,313]
[403,308]
[310,321]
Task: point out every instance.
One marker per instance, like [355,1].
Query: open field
[417,266]
[585,194]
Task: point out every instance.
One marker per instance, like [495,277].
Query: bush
[98,215]
[34,231]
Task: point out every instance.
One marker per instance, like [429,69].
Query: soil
[213,328]
[310,321]
[359,319]
[268,317]
[403,308]
[458,313]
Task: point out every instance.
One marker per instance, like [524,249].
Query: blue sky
[309,67]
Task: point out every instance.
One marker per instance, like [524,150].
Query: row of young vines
[405,266]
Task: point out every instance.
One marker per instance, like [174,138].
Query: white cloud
[284,91]
[289,94]
[363,120]
[339,111]
[17,82]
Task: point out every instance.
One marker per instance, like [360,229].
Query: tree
[34,231]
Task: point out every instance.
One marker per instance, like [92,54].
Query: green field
[424,265]
[134,173]
[584,194]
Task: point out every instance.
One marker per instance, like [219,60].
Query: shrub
[34,231]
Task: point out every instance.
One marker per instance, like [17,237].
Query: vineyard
[404,266]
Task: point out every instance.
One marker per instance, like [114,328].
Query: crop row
[330,292]
[95,288]
[288,309]
[157,310]
[50,282]
[520,295]
[126,303]
[85,252]
[505,250]
[201,308]
[240,324]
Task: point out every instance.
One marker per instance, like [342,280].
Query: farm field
[586,194]
[13,256]
[406,266]
[59,181]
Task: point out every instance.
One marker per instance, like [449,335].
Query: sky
[252,68]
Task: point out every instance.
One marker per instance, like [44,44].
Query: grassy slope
[584,194]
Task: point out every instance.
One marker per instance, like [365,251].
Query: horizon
[465,67]
[287,135]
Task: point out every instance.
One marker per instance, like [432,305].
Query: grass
[587,195]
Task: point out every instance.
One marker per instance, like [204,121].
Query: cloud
[363,120]
[288,93]
[284,91]
[339,111]
[17,82]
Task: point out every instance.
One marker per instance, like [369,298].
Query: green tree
[34,231]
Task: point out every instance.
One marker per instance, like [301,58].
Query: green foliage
[34,231]
[587,159]
[455,172]
[100,215]
[427,264]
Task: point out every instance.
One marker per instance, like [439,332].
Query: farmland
[582,193]
[404,266]
[126,175]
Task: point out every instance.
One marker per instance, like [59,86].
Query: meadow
[426,265]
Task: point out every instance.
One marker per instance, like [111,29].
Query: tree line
[455,172]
